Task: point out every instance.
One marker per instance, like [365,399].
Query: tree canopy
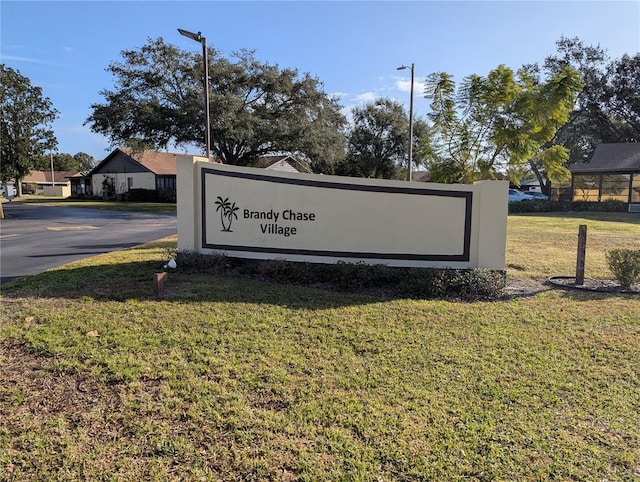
[256,108]
[607,109]
[80,162]
[624,101]
[25,124]
[498,122]
[378,141]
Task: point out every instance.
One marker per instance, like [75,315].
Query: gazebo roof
[615,158]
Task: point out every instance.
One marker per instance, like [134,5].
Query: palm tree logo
[227,213]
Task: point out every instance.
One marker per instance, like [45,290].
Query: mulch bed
[602,285]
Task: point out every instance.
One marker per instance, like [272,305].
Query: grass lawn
[110,205]
[230,379]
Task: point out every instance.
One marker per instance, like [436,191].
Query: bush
[613,206]
[625,266]
[167,196]
[609,206]
[141,195]
[544,206]
[383,280]
[530,206]
[29,188]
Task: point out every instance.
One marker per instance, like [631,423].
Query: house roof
[44,177]
[162,163]
[277,162]
[159,163]
[620,157]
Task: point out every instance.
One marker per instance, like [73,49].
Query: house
[284,163]
[51,183]
[532,185]
[421,176]
[612,173]
[80,185]
[124,169]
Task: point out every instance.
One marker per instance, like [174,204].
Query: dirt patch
[602,285]
[530,287]
[31,385]
[525,287]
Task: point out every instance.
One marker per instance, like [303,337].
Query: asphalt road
[34,238]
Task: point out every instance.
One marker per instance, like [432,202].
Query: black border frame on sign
[462,257]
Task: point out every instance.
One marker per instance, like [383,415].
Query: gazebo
[612,173]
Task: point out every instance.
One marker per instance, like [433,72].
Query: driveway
[34,238]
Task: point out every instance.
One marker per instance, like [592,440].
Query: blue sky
[353,47]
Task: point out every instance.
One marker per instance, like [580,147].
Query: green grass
[229,379]
[110,205]
[546,245]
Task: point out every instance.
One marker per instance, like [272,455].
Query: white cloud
[405,86]
[347,112]
[366,97]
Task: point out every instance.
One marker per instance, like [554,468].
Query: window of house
[166,183]
[129,183]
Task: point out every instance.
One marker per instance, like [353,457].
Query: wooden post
[158,283]
[582,247]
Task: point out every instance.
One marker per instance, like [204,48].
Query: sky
[353,47]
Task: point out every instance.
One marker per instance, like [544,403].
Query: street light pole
[410,167]
[199,38]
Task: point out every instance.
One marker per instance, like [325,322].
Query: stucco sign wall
[253,213]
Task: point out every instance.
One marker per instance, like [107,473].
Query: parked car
[537,195]
[517,195]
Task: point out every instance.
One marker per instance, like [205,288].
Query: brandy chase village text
[274,216]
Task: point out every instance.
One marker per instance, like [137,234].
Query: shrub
[614,206]
[141,195]
[355,277]
[530,206]
[609,206]
[541,205]
[29,188]
[167,195]
[625,266]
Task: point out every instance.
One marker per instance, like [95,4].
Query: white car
[538,195]
[517,195]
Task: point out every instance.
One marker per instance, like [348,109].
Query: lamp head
[193,36]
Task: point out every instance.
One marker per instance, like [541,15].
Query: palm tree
[227,213]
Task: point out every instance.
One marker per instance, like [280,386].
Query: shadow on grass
[134,281]
[584,296]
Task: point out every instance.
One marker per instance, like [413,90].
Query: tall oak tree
[256,108]
[25,125]
[378,141]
